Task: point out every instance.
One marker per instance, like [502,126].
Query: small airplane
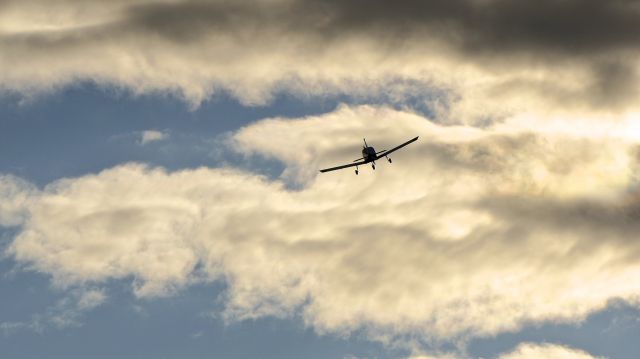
[369,155]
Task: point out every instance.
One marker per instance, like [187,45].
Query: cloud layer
[469,232]
[536,54]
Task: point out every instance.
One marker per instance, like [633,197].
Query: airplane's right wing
[343,166]
[398,147]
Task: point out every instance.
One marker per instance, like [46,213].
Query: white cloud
[149,136]
[440,356]
[90,299]
[551,351]
[469,232]
[15,193]
[525,351]
[68,311]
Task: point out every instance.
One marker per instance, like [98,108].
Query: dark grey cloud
[568,27]
[252,47]
[590,32]
[597,220]
[615,82]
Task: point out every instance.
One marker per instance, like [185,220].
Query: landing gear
[356,170]
[373,165]
[388,159]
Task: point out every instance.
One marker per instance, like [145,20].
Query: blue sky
[160,194]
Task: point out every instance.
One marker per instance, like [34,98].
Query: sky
[160,194]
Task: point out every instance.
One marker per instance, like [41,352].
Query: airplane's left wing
[343,166]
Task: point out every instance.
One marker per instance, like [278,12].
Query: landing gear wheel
[356,172]
[389,159]
[373,166]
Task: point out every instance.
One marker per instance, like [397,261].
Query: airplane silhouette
[369,155]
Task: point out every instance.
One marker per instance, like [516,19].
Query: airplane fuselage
[369,154]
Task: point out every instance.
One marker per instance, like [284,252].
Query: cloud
[535,54]
[470,232]
[66,312]
[443,356]
[14,192]
[152,136]
[534,351]
[526,351]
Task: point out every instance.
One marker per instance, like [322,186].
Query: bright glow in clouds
[469,232]
[533,351]
[529,351]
